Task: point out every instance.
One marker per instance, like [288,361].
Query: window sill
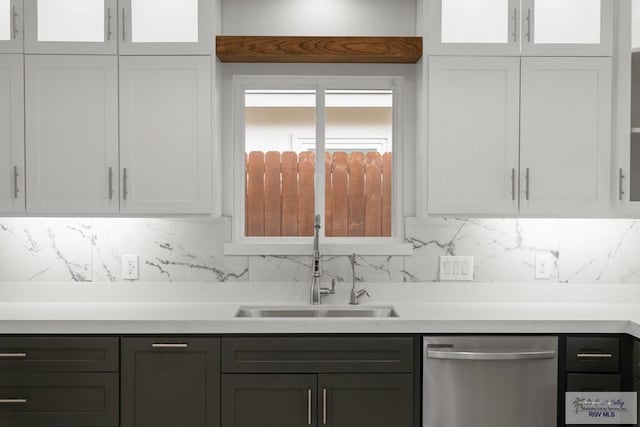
[306,249]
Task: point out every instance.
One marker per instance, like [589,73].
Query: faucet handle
[333,286]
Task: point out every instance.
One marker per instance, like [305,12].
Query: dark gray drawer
[317,355]
[593,354]
[59,354]
[59,399]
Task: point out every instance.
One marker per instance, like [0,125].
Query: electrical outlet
[456,268]
[544,265]
[130,267]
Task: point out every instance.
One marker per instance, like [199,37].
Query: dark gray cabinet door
[366,400]
[269,400]
[169,382]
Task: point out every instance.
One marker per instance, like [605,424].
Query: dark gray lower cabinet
[170,382]
[59,399]
[336,400]
[269,400]
[366,400]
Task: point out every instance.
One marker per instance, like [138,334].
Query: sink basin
[313,311]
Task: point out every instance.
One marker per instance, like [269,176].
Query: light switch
[456,268]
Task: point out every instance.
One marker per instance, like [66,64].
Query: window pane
[5,19]
[280,133]
[164,21]
[475,21]
[567,21]
[358,146]
[71,20]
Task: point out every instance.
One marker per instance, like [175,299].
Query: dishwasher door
[490,381]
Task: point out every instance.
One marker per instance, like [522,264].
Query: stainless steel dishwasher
[490,381]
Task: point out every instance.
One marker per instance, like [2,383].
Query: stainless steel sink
[311,311]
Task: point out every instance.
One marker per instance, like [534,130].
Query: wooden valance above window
[369,50]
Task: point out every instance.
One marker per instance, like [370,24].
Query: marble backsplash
[191,250]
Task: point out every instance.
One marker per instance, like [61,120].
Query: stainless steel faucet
[355,294]
[316,290]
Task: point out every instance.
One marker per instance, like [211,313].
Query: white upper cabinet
[565,140]
[72,134]
[12,189]
[165,135]
[11,26]
[474,27]
[171,27]
[520,27]
[567,27]
[474,106]
[71,26]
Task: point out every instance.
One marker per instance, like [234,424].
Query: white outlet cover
[544,266]
[456,268]
[130,267]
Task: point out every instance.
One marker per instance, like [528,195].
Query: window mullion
[320,155]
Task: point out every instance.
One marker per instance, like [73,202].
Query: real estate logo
[601,408]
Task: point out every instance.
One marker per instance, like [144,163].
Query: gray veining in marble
[192,250]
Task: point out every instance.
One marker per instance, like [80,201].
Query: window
[312,146]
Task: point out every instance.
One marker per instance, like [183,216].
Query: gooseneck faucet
[316,290]
[356,294]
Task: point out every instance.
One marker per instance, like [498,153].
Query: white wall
[635,24]
[319,17]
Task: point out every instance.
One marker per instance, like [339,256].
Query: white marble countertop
[422,308]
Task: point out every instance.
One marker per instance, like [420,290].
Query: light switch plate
[459,268]
[544,265]
[130,267]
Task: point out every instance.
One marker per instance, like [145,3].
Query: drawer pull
[12,401]
[160,345]
[324,406]
[594,355]
[13,355]
[309,414]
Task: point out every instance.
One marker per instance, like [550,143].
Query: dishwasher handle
[478,355]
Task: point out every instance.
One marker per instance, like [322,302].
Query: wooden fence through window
[280,191]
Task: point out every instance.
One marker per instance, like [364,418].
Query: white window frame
[243,245]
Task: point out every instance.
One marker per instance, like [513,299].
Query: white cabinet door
[567,27]
[11,134]
[11,26]
[165,135]
[72,134]
[473,135]
[565,145]
[474,27]
[166,27]
[71,26]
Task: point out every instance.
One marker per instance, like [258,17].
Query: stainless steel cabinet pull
[12,401]
[594,355]
[124,184]
[108,23]
[513,184]
[620,184]
[309,420]
[15,182]
[529,25]
[324,406]
[110,183]
[124,25]
[176,345]
[515,24]
[527,178]
[13,355]
[474,355]
[14,22]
